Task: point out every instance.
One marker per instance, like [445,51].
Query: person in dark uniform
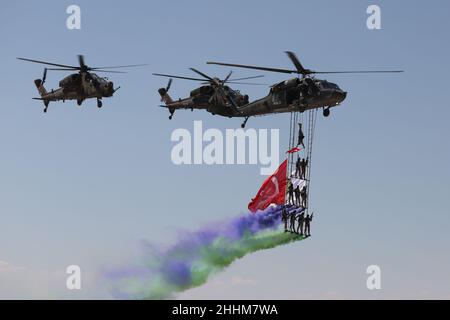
[292,225]
[303,92]
[301,136]
[297,195]
[308,220]
[291,193]
[304,165]
[304,195]
[298,168]
[301,168]
[301,221]
[284,218]
[313,90]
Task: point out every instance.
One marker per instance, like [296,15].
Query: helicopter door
[292,95]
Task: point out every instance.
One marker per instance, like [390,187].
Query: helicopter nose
[340,95]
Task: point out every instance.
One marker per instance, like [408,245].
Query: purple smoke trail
[196,255]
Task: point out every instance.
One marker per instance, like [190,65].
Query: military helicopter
[77,86]
[296,94]
[214,96]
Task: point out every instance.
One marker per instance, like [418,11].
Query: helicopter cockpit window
[329,85]
[97,79]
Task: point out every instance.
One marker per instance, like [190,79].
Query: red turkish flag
[273,190]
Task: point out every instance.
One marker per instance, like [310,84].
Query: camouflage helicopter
[296,94]
[77,86]
[214,96]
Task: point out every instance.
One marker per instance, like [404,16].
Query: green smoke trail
[217,256]
[195,256]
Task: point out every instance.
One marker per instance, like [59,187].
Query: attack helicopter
[78,86]
[297,94]
[213,96]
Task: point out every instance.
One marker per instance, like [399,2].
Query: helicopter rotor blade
[238,82]
[109,71]
[248,83]
[44,76]
[202,74]
[363,71]
[49,63]
[168,85]
[117,67]
[297,64]
[81,62]
[246,78]
[177,77]
[252,67]
[61,69]
[227,77]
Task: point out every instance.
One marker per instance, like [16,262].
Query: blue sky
[82,186]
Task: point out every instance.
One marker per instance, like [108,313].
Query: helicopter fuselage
[80,86]
[295,95]
[292,95]
[209,98]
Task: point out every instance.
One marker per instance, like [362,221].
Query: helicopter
[296,94]
[78,86]
[213,96]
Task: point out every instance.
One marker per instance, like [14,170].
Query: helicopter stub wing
[186,103]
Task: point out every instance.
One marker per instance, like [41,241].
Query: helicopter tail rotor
[164,93]
[40,86]
[44,76]
[42,92]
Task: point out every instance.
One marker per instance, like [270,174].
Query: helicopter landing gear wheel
[99,103]
[244,123]
[326,112]
[79,101]
[170,117]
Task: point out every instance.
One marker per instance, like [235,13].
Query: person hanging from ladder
[291,193]
[301,163]
[304,196]
[301,221]
[298,167]
[297,196]
[308,220]
[301,136]
[284,218]
[304,165]
[292,220]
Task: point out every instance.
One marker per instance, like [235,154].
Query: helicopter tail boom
[40,87]
[165,96]
[41,90]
